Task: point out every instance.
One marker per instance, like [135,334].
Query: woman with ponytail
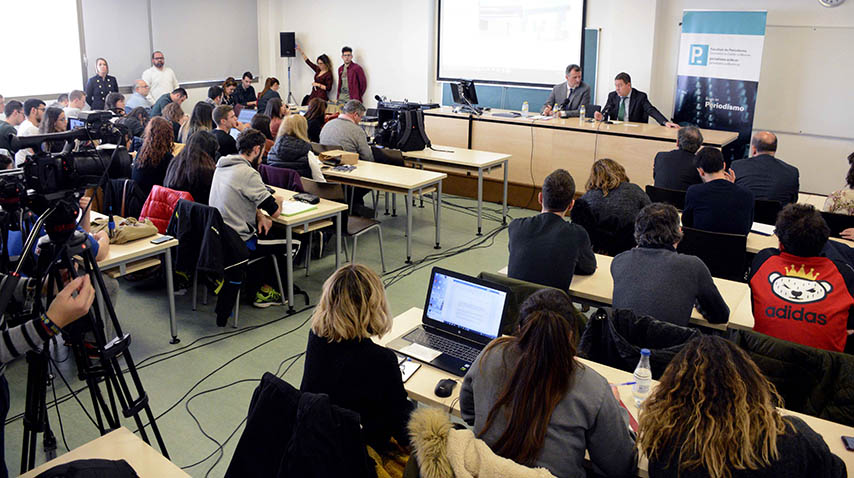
[532,402]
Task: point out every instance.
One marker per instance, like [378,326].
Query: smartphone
[161,239]
[848,442]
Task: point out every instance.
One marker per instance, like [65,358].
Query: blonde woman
[292,146]
[343,362]
[714,415]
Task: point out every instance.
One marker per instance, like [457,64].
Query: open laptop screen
[465,303]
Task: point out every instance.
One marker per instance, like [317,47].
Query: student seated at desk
[193,169]
[653,279]
[717,205]
[799,294]
[153,158]
[546,249]
[292,146]
[342,361]
[532,402]
[842,201]
[714,414]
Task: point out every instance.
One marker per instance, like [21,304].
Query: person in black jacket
[193,169]
[316,117]
[713,414]
[766,176]
[717,205]
[292,146]
[629,104]
[100,85]
[546,249]
[343,362]
[675,169]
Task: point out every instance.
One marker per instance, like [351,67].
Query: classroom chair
[765,211]
[669,196]
[160,205]
[724,254]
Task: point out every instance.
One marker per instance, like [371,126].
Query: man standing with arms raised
[351,78]
[159,77]
[570,95]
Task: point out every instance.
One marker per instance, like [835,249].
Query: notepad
[764,229]
[420,352]
[292,208]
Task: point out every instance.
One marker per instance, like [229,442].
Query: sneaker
[267,296]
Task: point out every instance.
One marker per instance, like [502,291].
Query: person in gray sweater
[654,280]
[532,402]
[345,131]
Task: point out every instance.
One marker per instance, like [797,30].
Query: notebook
[292,208]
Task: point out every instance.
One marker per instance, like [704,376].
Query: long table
[539,146]
[421,384]
[466,160]
[119,444]
[398,180]
[598,289]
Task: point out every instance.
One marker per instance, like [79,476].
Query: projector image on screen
[528,42]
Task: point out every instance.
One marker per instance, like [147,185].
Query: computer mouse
[445,387]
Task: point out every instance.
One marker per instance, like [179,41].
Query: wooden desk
[757,242]
[468,160]
[398,180]
[538,147]
[598,289]
[138,255]
[325,210]
[421,384]
[119,444]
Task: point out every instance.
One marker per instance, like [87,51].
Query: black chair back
[765,211]
[837,222]
[669,196]
[724,254]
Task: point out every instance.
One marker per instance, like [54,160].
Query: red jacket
[160,205]
[356,81]
[807,300]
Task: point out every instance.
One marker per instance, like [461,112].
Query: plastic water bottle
[581,112]
[643,379]
[524,108]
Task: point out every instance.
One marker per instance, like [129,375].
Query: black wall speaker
[287,44]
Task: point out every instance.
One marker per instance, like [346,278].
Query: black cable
[58,416]
[59,372]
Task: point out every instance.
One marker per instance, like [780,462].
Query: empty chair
[669,196]
[351,227]
[724,254]
[765,211]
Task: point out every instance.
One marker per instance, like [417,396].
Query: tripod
[290,93]
[97,363]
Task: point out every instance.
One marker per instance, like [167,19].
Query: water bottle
[524,108]
[643,379]
[581,112]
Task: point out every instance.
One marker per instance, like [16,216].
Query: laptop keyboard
[442,344]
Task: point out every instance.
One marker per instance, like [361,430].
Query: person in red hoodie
[798,294]
[351,78]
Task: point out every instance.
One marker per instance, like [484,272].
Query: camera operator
[71,303]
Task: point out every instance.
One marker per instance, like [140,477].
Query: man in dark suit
[717,205]
[675,169]
[546,249]
[568,96]
[629,104]
[766,176]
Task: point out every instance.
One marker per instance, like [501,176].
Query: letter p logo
[698,55]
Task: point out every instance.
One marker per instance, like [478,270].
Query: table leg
[386,203]
[409,227]
[479,200]
[438,214]
[504,203]
[337,240]
[170,291]
[290,267]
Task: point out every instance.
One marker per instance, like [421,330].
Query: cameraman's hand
[66,309]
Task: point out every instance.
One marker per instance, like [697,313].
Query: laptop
[461,315]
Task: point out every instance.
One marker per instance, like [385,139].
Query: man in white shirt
[33,110]
[76,102]
[160,78]
[139,98]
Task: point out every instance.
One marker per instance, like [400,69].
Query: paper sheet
[764,229]
[420,352]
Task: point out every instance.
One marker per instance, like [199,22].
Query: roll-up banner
[720,56]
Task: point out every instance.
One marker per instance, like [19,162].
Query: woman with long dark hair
[53,121]
[201,119]
[261,122]
[276,110]
[270,91]
[532,402]
[713,414]
[192,170]
[228,88]
[322,76]
[152,161]
[316,117]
